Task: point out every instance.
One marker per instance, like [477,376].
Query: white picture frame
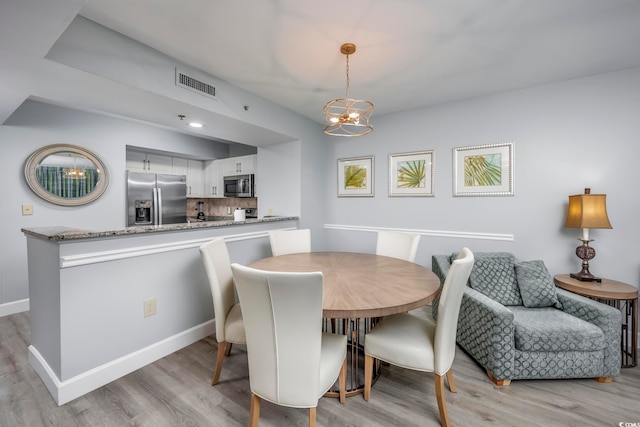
[484,170]
[412,174]
[355,177]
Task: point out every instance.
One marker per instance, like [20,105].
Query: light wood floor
[176,391]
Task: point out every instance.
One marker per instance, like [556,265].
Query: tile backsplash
[218,207]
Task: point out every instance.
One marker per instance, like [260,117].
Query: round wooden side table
[616,294]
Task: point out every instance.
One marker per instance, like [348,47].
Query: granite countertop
[68,233]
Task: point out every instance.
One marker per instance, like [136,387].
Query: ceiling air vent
[185,81]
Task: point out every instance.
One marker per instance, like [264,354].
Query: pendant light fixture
[346,116]
[74,172]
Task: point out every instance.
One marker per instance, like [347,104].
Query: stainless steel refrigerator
[156,199]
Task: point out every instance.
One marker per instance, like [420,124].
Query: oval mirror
[66,175]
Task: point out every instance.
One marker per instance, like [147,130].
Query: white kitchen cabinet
[149,162]
[195,172]
[213,178]
[180,166]
[158,163]
[136,161]
[241,165]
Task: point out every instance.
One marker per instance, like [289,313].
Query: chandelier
[74,172]
[346,116]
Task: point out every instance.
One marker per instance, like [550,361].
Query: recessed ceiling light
[195,124]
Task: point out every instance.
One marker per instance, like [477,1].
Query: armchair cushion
[549,329]
[495,277]
[536,285]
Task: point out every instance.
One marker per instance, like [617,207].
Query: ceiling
[410,53]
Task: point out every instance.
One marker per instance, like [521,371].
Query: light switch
[27,209]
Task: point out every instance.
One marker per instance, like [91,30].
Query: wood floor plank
[176,390]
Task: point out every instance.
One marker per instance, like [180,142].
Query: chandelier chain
[348,80]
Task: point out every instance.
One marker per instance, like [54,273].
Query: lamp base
[585,277]
[585,253]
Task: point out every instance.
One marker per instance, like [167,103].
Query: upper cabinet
[240,165]
[214,178]
[194,170]
[195,174]
[216,170]
[149,162]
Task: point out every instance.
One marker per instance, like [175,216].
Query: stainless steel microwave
[239,186]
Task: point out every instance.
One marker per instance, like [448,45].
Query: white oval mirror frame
[75,155]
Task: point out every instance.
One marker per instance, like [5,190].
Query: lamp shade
[587,211]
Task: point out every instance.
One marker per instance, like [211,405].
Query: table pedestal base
[354,329]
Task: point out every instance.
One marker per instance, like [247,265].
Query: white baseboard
[65,391]
[14,307]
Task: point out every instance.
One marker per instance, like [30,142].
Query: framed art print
[355,177]
[411,174]
[483,170]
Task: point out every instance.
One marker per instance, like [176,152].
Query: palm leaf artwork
[355,177]
[411,174]
[483,170]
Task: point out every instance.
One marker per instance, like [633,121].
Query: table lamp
[587,211]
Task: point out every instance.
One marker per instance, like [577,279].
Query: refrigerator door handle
[159,190]
[155,206]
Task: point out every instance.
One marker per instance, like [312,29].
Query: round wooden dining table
[358,289]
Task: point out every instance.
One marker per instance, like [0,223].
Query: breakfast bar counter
[68,233]
[105,303]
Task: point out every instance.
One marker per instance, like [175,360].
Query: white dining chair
[417,343]
[290,241]
[229,324]
[398,245]
[291,361]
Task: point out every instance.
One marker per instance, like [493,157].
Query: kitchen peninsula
[105,303]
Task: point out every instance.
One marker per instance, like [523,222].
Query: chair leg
[254,414]
[452,384]
[312,417]
[442,403]
[216,373]
[342,381]
[228,351]
[368,375]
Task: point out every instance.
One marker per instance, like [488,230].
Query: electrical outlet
[270,212]
[149,307]
[27,209]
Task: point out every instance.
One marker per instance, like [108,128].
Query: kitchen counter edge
[58,233]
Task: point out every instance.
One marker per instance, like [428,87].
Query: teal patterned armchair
[517,325]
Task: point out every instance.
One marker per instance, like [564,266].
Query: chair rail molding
[434,233]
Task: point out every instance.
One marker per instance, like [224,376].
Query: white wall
[568,136]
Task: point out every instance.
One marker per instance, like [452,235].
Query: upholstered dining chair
[397,245]
[420,344]
[229,324]
[291,361]
[290,241]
